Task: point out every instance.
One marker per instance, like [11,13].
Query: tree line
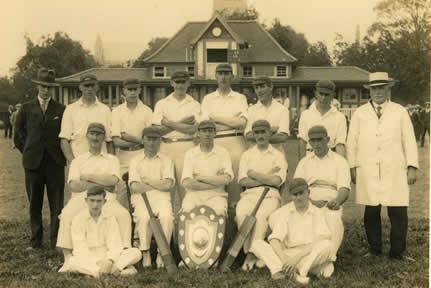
[398,43]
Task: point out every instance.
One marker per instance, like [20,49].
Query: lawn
[37,268]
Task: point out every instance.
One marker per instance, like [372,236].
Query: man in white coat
[382,154]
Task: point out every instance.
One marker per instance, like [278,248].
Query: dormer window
[281,71]
[159,72]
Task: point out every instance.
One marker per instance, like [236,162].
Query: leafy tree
[59,52]
[296,44]
[153,45]
[400,44]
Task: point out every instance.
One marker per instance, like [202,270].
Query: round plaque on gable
[216,31]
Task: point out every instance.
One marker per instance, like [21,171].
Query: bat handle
[262,196]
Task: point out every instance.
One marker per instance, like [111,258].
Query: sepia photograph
[215,143]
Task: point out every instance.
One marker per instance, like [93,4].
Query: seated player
[300,241]
[152,173]
[207,169]
[94,168]
[328,176]
[97,245]
[259,166]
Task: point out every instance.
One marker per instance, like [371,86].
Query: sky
[138,21]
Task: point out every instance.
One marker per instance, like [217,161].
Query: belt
[133,148]
[311,149]
[230,135]
[323,184]
[170,140]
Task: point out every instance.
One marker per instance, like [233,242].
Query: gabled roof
[263,48]
[218,17]
[336,74]
[108,74]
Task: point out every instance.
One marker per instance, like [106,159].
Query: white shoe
[159,262]
[327,269]
[146,259]
[260,263]
[278,276]
[129,271]
[303,280]
[249,262]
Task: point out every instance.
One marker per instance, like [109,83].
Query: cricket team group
[220,153]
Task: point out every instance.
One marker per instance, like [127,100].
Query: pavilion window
[281,71]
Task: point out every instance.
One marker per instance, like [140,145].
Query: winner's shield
[201,233]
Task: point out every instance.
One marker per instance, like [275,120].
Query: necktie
[43,106]
[379,111]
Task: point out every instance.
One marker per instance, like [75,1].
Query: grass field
[37,268]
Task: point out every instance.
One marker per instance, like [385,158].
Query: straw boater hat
[379,79]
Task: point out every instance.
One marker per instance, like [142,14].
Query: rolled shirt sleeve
[113,240]
[279,230]
[188,166]
[343,174]
[66,125]
[74,171]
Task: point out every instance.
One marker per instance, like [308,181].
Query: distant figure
[425,119]
[37,128]
[8,125]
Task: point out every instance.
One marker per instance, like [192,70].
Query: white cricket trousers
[87,264]
[160,203]
[320,254]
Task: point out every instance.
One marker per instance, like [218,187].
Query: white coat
[381,150]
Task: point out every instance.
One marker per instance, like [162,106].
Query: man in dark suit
[36,136]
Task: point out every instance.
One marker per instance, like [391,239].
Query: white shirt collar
[97,102]
[43,100]
[186,99]
[310,210]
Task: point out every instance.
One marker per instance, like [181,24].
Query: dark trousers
[424,132]
[8,131]
[50,174]
[373,229]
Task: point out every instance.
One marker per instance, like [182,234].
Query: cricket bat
[241,236]
[162,243]
[129,202]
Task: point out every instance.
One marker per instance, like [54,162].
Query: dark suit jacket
[36,134]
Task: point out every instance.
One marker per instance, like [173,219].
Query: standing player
[177,115]
[128,121]
[79,115]
[272,111]
[321,112]
[228,109]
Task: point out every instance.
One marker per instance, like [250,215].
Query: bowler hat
[96,127]
[224,68]
[180,76]
[45,77]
